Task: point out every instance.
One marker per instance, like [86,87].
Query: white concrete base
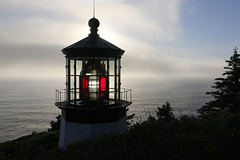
[73,132]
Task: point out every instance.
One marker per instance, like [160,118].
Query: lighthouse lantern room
[93,102]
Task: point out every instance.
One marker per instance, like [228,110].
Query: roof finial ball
[93,24]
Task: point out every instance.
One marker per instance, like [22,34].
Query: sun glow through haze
[167,42]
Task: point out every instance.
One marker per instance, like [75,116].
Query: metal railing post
[65,97]
[130,95]
[126,95]
[60,98]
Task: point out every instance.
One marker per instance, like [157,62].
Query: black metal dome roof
[93,45]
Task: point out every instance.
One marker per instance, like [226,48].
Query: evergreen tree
[226,97]
[165,113]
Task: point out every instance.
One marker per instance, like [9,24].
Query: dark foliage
[130,118]
[226,92]
[55,125]
[165,113]
[28,147]
[186,137]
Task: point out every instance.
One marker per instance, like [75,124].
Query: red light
[83,88]
[103,87]
[103,84]
[84,83]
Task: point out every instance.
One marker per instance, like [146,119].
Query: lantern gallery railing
[61,99]
[60,96]
[126,95]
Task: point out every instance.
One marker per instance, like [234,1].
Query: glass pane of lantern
[78,87]
[111,67]
[78,67]
[71,67]
[71,88]
[111,87]
[78,70]
[117,89]
[71,82]
[93,87]
[111,82]
[84,95]
[104,63]
[118,66]
[111,95]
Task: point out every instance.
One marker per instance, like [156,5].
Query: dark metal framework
[92,93]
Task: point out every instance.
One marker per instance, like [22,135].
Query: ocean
[28,106]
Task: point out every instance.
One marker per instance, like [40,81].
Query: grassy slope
[185,138]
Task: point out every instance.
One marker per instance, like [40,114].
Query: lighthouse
[93,102]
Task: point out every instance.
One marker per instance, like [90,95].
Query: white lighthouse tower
[93,102]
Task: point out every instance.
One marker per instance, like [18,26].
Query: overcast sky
[166,42]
